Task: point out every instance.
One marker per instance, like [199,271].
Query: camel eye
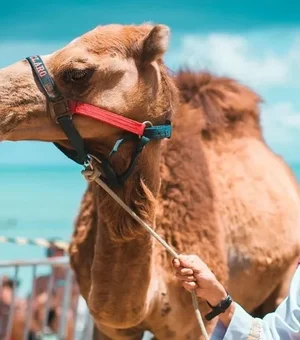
[78,74]
[75,75]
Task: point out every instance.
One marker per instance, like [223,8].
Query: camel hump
[224,101]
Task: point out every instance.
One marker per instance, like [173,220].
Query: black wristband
[221,307]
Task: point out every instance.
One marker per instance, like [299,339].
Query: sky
[256,42]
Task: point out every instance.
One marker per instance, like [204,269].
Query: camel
[214,188]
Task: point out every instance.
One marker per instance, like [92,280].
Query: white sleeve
[283,324]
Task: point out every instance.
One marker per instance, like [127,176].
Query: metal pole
[30,303]
[49,297]
[75,315]
[65,308]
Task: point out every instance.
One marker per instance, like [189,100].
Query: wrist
[221,308]
[227,316]
[218,296]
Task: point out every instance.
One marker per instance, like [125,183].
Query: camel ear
[155,44]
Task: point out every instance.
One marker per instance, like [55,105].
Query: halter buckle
[59,109]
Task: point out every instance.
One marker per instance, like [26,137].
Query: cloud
[284,117]
[254,58]
[267,61]
[281,125]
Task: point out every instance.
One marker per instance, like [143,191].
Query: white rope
[93,175]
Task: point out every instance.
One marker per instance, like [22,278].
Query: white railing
[82,325]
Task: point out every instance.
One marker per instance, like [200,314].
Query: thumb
[176,263]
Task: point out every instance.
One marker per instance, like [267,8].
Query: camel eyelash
[73,75]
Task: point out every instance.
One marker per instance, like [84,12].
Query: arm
[236,323]
[284,323]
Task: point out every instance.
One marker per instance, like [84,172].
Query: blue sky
[256,42]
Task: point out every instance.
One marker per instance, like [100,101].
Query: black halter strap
[59,109]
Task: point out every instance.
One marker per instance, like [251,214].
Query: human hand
[195,275]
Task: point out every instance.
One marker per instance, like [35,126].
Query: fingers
[184,264]
[186,271]
[187,268]
[189,286]
[183,271]
[188,278]
[192,261]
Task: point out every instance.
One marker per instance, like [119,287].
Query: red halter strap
[108,117]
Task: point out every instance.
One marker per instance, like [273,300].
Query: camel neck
[123,251]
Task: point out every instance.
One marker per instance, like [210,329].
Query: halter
[62,110]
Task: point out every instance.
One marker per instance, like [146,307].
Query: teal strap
[119,142]
[158,131]
[153,132]
[111,178]
[143,141]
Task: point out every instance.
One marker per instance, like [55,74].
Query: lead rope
[93,175]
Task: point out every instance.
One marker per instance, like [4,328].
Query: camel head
[116,68]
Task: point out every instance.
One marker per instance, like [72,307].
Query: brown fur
[225,103]
[208,190]
[190,208]
[188,204]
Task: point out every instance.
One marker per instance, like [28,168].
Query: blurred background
[256,42]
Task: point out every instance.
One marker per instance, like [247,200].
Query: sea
[40,202]
[36,202]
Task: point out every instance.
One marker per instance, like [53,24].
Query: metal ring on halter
[90,160]
[147,122]
[88,163]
